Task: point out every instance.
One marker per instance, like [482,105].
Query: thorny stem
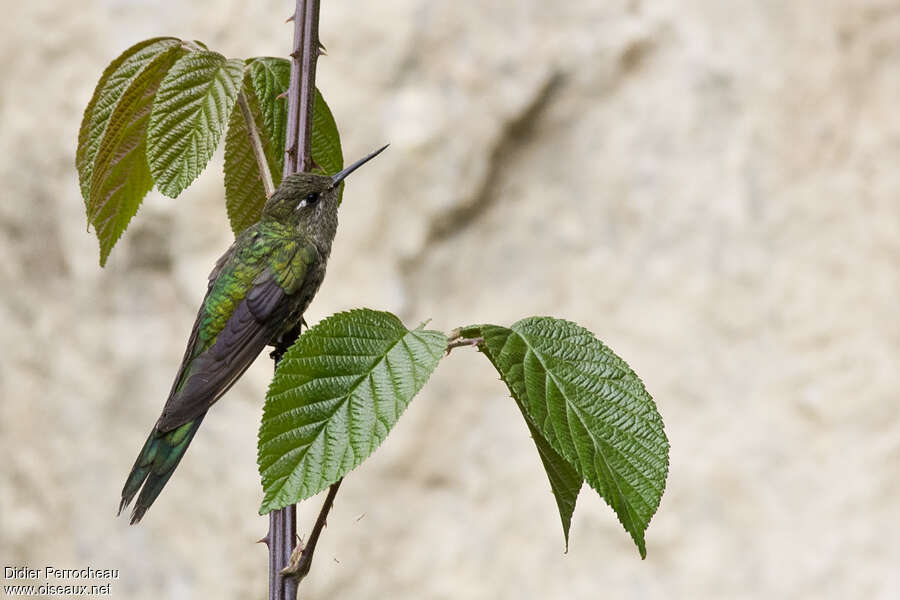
[256,143]
[301,559]
[281,539]
[293,94]
[309,58]
[301,95]
[302,91]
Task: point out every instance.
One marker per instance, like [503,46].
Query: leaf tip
[641,544]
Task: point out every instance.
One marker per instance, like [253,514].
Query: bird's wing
[248,300]
[189,352]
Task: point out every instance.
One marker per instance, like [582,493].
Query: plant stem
[281,540]
[290,141]
[256,144]
[310,50]
[459,342]
[301,561]
[302,90]
[301,95]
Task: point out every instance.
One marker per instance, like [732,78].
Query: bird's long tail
[154,465]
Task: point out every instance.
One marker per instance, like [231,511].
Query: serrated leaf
[336,394]
[270,78]
[565,481]
[192,107]
[591,409]
[265,80]
[325,145]
[244,191]
[120,178]
[116,78]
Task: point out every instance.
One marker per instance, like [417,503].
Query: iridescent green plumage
[257,291]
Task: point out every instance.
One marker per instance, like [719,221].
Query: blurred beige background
[711,187]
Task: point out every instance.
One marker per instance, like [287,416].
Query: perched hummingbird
[257,292]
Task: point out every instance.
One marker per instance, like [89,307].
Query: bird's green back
[266,252]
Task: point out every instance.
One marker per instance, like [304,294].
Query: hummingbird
[257,292]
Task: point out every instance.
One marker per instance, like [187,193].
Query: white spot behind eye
[301,204]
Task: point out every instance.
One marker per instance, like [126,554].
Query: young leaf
[191,109]
[336,394]
[268,78]
[591,409]
[119,178]
[265,80]
[115,79]
[244,191]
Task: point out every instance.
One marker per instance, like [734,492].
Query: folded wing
[246,307]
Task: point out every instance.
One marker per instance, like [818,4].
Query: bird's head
[309,201]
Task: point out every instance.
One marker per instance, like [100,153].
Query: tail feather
[154,465]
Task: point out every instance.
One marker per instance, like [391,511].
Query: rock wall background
[710,187]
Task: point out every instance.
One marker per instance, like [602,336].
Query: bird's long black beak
[337,178]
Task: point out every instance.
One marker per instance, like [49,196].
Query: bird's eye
[310,200]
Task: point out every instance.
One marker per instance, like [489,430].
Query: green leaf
[244,191]
[265,80]
[189,115]
[591,409]
[565,481]
[116,174]
[325,145]
[336,394]
[270,78]
[115,79]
